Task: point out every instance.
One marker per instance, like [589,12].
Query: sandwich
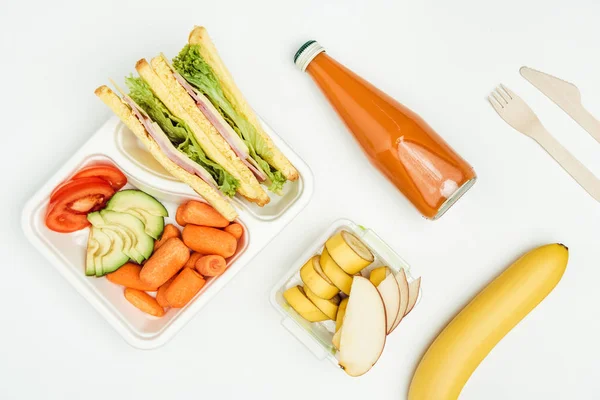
[160,146]
[194,120]
[201,67]
[202,133]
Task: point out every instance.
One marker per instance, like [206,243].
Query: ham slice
[226,131]
[167,147]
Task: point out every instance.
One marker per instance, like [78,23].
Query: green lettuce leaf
[191,65]
[179,133]
[276,177]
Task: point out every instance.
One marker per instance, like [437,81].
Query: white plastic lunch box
[115,143]
[317,336]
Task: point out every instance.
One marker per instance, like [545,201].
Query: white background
[439,58]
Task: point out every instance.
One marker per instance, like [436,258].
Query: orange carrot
[206,240]
[191,263]
[169,232]
[184,287]
[212,265]
[165,262]
[198,213]
[178,218]
[160,295]
[129,276]
[144,302]
[235,229]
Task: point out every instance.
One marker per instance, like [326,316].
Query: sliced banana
[340,314]
[335,273]
[329,307]
[349,252]
[296,297]
[315,279]
[379,274]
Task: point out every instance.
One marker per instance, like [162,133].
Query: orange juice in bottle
[397,141]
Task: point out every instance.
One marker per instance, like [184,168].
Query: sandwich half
[206,116]
[152,134]
[203,134]
[205,74]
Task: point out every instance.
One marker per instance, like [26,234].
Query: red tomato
[63,187]
[71,202]
[109,173]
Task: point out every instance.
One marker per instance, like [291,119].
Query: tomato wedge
[109,173]
[71,202]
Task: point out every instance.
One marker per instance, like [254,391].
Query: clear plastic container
[113,142]
[317,336]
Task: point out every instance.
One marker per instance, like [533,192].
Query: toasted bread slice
[214,153]
[161,66]
[122,110]
[199,36]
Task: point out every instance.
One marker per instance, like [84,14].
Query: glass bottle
[399,143]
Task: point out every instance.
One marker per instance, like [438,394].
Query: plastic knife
[566,96]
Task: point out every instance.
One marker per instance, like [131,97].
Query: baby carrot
[207,240]
[144,302]
[169,232]
[165,262]
[198,213]
[178,218]
[235,229]
[191,263]
[184,287]
[160,295]
[212,265]
[129,276]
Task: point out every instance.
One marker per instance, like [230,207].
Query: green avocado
[136,200]
[107,254]
[153,225]
[126,235]
[144,243]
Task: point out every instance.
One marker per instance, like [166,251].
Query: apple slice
[413,294]
[390,293]
[404,291]
[336,339]
[364,329]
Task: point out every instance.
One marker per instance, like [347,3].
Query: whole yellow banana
[473,333]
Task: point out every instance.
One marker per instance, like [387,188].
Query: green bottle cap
[306,53]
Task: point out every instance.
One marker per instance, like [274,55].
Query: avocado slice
[95,219]
[136,200]
[144,243]
[129,240]
[92,248]
[153,225]
[127,236]
[104,245]
[116,235]
[109,255]
[116,257]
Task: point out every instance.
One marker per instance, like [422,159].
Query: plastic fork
[520,116]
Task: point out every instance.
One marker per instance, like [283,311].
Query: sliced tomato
[109,173]
[71,202]
[63,187]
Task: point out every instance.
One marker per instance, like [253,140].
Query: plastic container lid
[306,53]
